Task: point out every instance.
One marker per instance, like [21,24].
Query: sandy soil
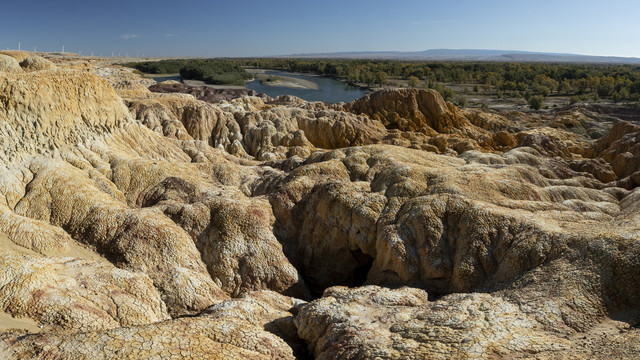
[291,82]
[74,250]
[284,81]
[9,322]
[202,83]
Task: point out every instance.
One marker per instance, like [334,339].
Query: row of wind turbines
[113,53]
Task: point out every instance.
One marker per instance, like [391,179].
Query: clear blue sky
[262,28]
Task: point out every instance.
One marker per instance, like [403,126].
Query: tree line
[211,71]
[499,79]
[503,79]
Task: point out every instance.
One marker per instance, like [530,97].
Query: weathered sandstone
[75,294]
[138,224]
[9,64]
[35,63]
[184,338]
[373,322]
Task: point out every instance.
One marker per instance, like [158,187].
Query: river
[329,90]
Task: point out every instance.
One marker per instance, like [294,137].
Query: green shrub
[460,101]
[270,79]
[447,93]
[536,102]
[574,99]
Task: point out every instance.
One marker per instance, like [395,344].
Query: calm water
[162,78]
[329,90]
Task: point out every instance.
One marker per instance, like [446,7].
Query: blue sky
[263,28]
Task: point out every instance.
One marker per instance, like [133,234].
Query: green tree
[564,87]
[381,78]
[413,81]
[545,81]
[624,93]
[366,77]
[616,96]
[581,85]
[508,86]
[606,87]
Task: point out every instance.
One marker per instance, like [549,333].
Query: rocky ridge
[138,224]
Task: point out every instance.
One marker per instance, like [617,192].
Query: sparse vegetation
[574,99]
[138,72]
[270,79]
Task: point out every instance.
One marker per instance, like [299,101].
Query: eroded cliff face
[137,224]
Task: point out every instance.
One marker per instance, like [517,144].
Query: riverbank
[202,83]
[176,77]
[283,81]
[259,74]
[306,86]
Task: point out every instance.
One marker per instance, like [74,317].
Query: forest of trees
[211,71]
[499,79]
[503,79]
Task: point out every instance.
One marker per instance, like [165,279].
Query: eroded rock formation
[373,322]
[140,224]
[205,93]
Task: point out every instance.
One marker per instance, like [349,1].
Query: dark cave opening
[364,263]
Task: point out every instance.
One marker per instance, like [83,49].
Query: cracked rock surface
[136,224]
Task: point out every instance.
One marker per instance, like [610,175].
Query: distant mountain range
[475,55]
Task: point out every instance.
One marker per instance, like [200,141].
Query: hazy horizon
[258,28]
